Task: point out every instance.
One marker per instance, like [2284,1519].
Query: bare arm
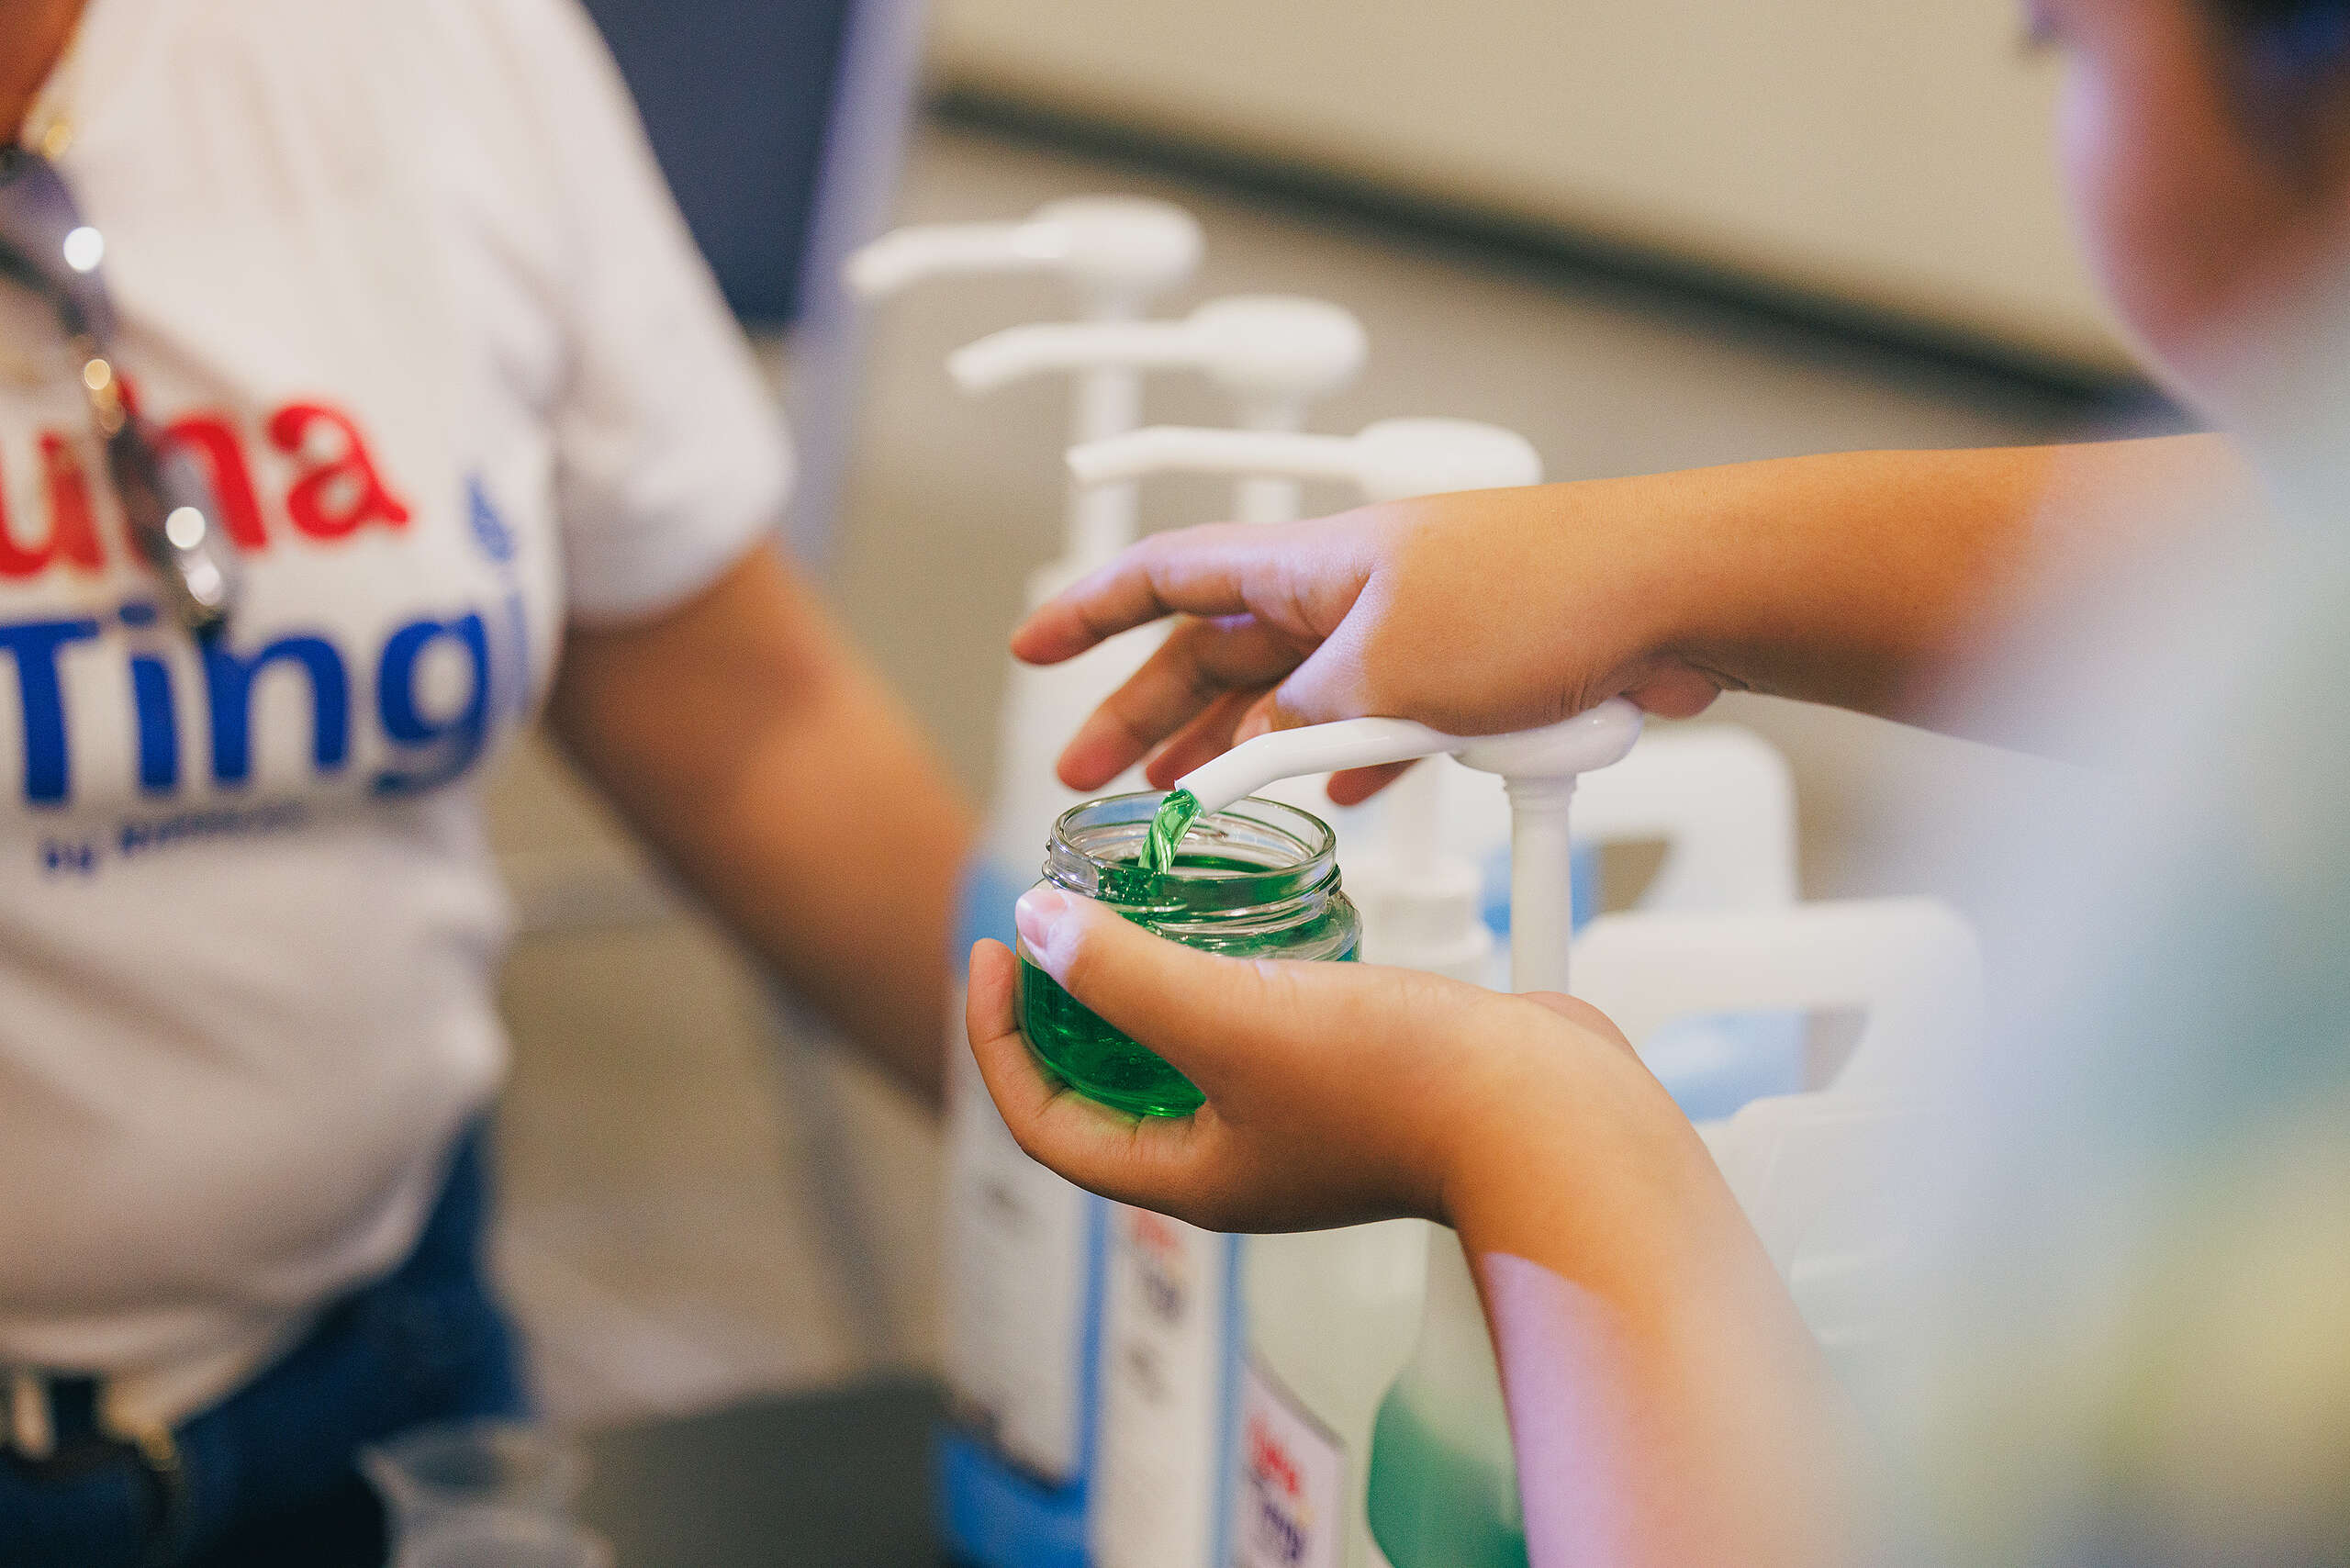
[1869,580]
[1879,581]
[33,34]
[747,742]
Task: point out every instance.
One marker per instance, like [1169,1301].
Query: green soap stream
[1173,820]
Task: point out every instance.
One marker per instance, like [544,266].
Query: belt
[56,1431]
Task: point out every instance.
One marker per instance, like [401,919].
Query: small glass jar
[1258,879]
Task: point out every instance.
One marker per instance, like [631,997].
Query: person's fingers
[1256,720]
[1355,785]
[1206,738]
[1335,680]
[1204,571]
[1155,1160]
[1675,694]
[1200,662]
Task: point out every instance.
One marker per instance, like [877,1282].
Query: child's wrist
[1585,1165]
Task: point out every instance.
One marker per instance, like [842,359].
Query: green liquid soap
[1095,1060]
[1086,1053]
[1174,819]
[1432,1505]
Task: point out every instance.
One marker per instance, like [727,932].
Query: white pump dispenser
[1538,767]
[1274,354]
[1023,1246]
[1118,252]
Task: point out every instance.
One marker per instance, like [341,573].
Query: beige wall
[1891,154]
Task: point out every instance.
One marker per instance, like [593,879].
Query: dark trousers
[268,1474]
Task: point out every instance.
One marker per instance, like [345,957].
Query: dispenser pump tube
[1541,900]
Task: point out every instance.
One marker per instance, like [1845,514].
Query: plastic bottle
[1024,1271]
[1165,1374]
[1812,1169]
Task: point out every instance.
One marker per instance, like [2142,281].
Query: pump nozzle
[1271,352]
[1392,460]
[1540,767]
[1119,250]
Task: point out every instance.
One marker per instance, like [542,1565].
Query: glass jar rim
[1094,847]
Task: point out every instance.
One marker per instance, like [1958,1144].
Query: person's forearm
[33,34]
[1666,1403]
[1874,580]
[837,852]
[760,756]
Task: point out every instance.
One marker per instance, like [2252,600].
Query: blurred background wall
[1888,160]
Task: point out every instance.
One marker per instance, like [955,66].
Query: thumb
[1200,1010]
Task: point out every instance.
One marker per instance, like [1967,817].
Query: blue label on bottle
[993,1513]
[995,1510]
[989,890]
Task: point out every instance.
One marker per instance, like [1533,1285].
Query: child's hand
[1336,1092]
[1476,614]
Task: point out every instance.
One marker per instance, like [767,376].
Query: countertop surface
[838,1479]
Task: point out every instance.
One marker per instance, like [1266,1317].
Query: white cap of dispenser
[1117,250]
[1430,918]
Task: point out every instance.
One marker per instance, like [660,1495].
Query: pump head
[1117,250]
[1539,766]
[1594,739]
[1261,346]
[1392,460]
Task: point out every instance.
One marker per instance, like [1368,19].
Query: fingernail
[1249,728]
[1040,917]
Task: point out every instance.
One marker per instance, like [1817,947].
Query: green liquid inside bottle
[1088,1054]
[1106,1065]
[1095,1060]
[1431,1503]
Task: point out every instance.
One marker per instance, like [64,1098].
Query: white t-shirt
[404,275]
